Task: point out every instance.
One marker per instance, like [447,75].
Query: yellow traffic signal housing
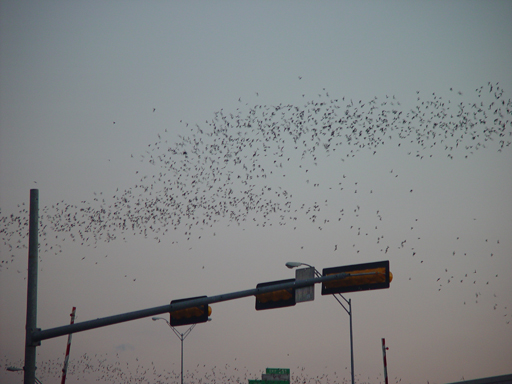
[360,277]
[192,315]
[275,299]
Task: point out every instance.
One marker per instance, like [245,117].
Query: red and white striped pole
[66,359]
[385,363]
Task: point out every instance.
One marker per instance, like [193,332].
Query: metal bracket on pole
[30,341]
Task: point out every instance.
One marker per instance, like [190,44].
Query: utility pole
[31,322]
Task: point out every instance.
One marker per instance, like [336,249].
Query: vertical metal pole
[351,341]
[68,347]
[31,321]
[182,338]
[385,362]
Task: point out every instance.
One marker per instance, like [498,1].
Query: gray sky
[99,103]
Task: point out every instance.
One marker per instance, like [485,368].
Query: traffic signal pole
[39,335]
[34,335]
[31,319]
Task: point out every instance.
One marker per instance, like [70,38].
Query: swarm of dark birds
[105,368]
[233,169]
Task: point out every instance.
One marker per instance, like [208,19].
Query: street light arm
[338,300]
[343,297]
[15,369]
[295,264]
[181,336]
[187,332]
[161,318]
[170,326]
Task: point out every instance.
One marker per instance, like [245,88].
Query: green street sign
[278,371]
[268,382]
[274,377]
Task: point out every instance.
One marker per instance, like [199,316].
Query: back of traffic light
[361,277]
[191,315]
[275,299]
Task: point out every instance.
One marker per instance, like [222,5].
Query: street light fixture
[181,336]
[294,264]
[16,369]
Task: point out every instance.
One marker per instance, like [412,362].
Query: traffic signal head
[275,299]
[360,277]
[191,315]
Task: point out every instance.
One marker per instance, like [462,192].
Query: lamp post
[181,336]
[16,369]
[294,264]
